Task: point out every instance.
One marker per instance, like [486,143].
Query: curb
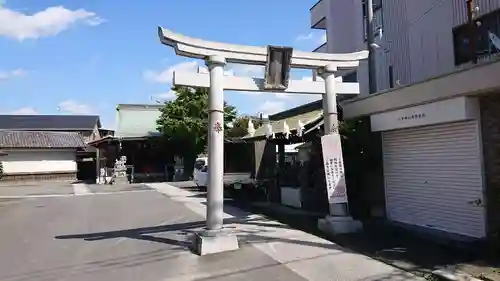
[451,274]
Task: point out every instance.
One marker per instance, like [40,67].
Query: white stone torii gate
[215,239]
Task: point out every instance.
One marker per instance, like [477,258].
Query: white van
[234,180]
[200,175]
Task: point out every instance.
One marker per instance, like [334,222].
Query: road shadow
[246,235]
[392,244]
[416,252]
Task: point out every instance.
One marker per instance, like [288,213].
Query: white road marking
[34,196]
[81,189]
[68,195]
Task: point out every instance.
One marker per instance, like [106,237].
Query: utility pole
[472,31]
[372,78]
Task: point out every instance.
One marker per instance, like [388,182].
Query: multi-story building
[435,112]
[415,40]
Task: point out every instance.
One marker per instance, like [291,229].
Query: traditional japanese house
[87,126]
[137,138]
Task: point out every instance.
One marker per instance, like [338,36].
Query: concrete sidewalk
[273,251]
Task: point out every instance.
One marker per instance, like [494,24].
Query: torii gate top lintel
[201,49]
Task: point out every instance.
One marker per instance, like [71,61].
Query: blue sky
[86,56]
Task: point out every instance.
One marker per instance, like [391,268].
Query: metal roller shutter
[433,177]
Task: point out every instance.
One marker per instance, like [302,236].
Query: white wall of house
[92,135]
[21,161]
[417,37]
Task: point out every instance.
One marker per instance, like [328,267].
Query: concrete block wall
[490,130]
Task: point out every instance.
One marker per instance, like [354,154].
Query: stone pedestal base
[339,225]
[120,180]
[211,242]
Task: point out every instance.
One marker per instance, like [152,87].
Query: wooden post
[98,164]
[472,31]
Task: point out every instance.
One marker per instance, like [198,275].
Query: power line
[437,3]
[418,19]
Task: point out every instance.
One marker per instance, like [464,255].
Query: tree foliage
[240,127]
[183,121]
[363,152]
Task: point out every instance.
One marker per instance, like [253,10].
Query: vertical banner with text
[334,168]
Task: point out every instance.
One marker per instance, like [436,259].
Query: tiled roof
[37,139]
[49,122]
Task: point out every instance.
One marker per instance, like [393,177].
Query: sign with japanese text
[334,168]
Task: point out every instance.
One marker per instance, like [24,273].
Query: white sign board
[452,110]
[334,168]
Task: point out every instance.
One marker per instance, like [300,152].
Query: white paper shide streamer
[269,131]
[251,128]
[286,130]
[300,129]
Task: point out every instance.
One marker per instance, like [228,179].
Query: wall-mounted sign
[412,116]
[452,110]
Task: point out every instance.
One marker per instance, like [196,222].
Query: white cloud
[170,95]
[5,75]
[95,21]
[316,38]
[24,111]
[46,23]
[271,107]
[303,37]
[165,76]
[73,107]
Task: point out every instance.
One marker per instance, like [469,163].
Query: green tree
[240,127]
[183,121]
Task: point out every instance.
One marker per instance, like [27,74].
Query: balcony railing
[321,49]
[318,14]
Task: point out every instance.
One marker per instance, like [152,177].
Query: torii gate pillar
[215,195]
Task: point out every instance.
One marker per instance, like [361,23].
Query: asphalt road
[115,236]
[53,238]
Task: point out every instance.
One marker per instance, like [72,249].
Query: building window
[484,47]
[351,77]
[391,77]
